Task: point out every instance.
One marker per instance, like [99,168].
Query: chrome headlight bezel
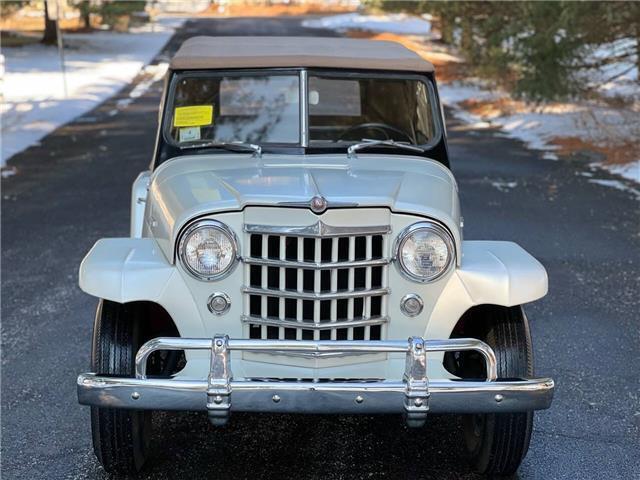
[198,225]
[435,228]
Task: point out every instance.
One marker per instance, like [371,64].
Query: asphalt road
[74,188]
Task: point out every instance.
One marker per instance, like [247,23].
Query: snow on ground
[617,184]
[630,170]
[399,23]
[617,79]
[97,65]
[149,75]
[538,126]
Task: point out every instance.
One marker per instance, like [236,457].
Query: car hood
[188,187]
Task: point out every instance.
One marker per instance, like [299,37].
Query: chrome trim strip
[304,109]
[269,262]
[329,205]
[275,322]
[369,142]
[167,343]
[315,355]
[315,296]
[321,346]
[445,396]
[319,229]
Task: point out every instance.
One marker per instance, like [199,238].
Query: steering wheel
[380,127]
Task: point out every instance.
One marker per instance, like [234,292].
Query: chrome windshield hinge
[219,384]
[416,403]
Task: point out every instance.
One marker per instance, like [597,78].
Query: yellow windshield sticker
[195,116]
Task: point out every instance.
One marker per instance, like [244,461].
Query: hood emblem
[318,204]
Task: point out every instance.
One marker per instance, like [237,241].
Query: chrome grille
[316,283]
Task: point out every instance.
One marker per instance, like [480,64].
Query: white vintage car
[296,246]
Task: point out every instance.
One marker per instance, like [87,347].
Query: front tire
[497,443]
[120,437]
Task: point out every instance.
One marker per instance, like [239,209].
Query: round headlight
[208,249]
[425,251]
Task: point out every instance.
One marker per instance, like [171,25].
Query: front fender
[135,269]
[125,270]
[501,273]
[491,272]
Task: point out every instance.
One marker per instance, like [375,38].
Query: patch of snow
[504,186]
[470,119]
[617,184]
[533,129]
[530,128]
[538,125]
[616,79]
[399,23]
[149,75]
[97,66]
[122,103]
[630,171]
[8,172]
[152,74]
[454,93]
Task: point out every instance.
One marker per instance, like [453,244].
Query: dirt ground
[448,67]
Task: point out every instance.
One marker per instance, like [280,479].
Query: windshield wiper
[233,146]
[369,142]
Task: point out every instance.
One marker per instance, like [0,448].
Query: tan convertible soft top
[261,52]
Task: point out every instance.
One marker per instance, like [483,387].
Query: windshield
[252,109]
[207,108]
[352,109]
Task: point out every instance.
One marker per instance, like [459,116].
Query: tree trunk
[467,42]
[85,12]
[446,31]
[638,48]
[447,26]
[50,36]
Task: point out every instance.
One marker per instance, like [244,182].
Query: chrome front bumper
[414,395]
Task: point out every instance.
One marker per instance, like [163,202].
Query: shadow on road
[297,446]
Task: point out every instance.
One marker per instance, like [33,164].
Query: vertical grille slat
[289,276]
[351,285]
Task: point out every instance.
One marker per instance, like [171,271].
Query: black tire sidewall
[510,338]
[120,437]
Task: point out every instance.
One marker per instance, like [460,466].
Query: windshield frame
[303,145]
